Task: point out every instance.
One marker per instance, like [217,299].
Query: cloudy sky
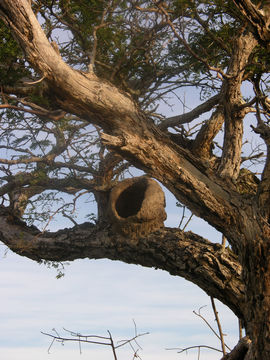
[99,295]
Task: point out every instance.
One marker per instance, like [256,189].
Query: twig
[96,28]
[185,43]
[240,329]
[52,115]
[34,82]
[51,344]
[194,347]
[96,339]
[183,217]
[188,220]
[219,326]
[207,323]
[112,346]
[223,243]
[124,342]
[63,339]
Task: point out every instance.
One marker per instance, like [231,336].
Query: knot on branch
[137,207]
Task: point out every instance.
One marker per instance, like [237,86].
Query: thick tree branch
[188,255]
[258,18]
[202,145]
[230,110]
[191,115]
[191,185]
[79,93]
[203,187]
[232,101]
[264,187]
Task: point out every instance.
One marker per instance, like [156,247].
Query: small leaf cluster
[12,65]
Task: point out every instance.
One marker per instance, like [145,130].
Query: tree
[79,98]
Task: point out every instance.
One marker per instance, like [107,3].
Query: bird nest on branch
[137,207]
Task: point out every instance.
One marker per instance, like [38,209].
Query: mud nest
[137,207]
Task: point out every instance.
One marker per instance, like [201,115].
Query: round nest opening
[137,206]
[129,202]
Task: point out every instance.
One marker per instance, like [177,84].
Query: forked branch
[97,340]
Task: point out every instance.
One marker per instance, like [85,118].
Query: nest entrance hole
[130,200]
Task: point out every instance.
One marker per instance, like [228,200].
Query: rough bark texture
[233,134]
[258,18]
[239,278]
[240,350]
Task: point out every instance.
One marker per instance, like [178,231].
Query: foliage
[12,64]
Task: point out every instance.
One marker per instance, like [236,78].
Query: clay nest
[137,207]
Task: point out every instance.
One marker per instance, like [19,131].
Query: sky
[99,295]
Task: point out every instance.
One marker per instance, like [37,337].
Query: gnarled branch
[183,254]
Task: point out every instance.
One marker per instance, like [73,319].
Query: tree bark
[256,276]
[232,99]
[240,350]
[259,19]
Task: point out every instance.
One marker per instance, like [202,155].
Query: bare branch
[210,327]
[219,326]
[52,115]
[194,347]
[182,39]
[202,144]
[191,115]
[93,339]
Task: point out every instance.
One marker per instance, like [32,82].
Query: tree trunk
[257,280]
